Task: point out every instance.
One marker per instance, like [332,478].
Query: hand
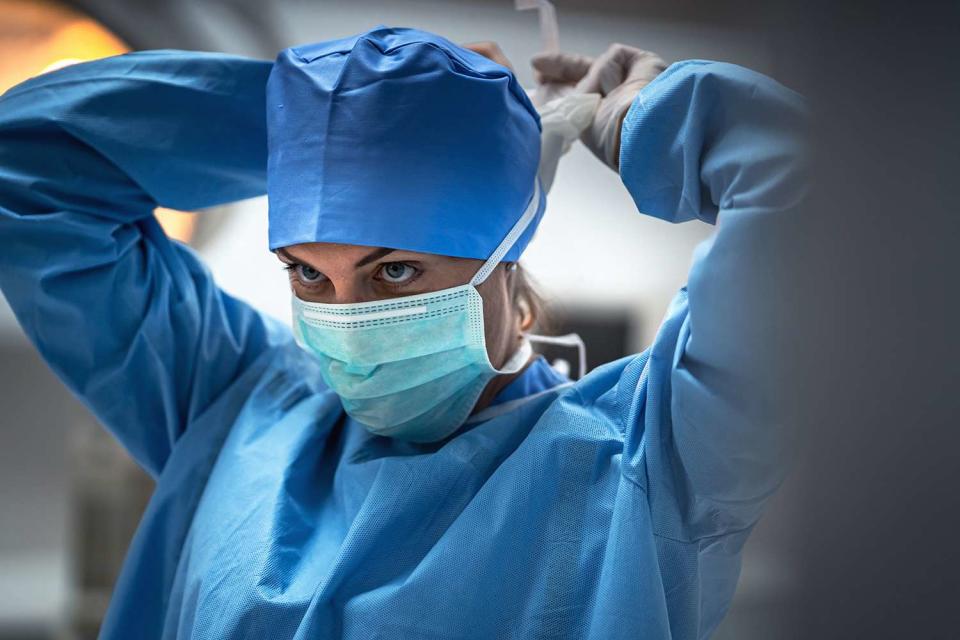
[618,76]
[490,49]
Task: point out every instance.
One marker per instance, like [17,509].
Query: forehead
[334,253]
[328,250]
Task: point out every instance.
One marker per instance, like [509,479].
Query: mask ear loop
[520,357]
[568,340]
[512,236]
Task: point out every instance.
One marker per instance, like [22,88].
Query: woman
[412,471]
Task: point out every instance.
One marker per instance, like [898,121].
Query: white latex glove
[563,120]
[617,75]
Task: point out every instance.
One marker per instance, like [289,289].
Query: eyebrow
[373,255]
[285,254]
[367,259]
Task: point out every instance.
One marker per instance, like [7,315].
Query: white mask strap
[519,358]
[569,340]
[512,236]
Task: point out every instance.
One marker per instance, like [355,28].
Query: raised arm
[722,144]
[705,423]
[131,321]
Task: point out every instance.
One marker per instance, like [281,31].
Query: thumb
[563,68]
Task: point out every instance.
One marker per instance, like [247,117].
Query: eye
[308,275]
[397,272]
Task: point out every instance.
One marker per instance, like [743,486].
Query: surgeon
[399,463]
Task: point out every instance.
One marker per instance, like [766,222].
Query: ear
[521,305]
[526,318]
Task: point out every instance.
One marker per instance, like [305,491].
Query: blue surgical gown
[613,508]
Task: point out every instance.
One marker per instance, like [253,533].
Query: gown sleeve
[131,321]
[722,144]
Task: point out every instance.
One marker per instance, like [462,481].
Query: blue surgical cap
[399,138]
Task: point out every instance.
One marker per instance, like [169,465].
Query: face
[341,274]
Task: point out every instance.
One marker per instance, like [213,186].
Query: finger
[618,64]
[491,50]
[643,65]
[564,68]
[606,73]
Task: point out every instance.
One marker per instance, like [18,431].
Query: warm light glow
[39,37]
[179,225]
[60,64]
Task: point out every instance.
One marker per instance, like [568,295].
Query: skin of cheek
[501,323]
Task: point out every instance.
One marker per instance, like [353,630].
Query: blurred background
[69,497]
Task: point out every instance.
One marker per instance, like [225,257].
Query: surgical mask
[412,367]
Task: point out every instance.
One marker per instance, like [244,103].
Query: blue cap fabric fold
[399,138]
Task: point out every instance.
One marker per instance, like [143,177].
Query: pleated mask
[412,367]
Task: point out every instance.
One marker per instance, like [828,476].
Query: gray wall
[36,416]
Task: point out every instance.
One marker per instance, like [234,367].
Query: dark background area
[880,488]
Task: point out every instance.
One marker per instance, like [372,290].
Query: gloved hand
[617,75]
[489,49]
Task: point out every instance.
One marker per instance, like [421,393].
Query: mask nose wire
[512,236]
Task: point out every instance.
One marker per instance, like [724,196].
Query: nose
[348,291]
